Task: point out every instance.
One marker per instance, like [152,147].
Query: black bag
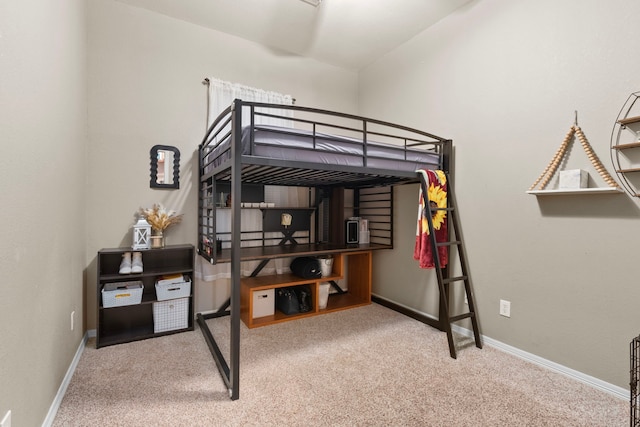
[287,301]
[303,293]
[306,267]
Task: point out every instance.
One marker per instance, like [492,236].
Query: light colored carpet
[367,366]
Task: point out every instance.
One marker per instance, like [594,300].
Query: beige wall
[502,79]
[144,74]
[43,168]
[145,88]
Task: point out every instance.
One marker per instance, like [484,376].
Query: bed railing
[321,125]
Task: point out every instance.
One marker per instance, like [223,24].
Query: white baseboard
[53,409]
[548,364]
[556,367]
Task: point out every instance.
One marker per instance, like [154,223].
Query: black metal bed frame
[634,383]
[240,168]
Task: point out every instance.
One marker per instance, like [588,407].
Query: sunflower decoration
[159,217]
[437,196]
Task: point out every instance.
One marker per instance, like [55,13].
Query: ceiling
[346,33]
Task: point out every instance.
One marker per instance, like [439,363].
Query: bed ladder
[444,273]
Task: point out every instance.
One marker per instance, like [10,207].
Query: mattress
[303,146]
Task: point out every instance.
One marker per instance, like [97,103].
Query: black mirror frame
[154,167]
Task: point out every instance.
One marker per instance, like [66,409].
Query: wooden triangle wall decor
[551,169]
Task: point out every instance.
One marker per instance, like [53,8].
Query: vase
[157,240]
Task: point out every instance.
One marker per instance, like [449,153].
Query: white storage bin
[324,295]
[173,290]
[170,315]
[122,293]
[264,303]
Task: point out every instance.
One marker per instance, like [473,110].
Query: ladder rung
[454,279]
[451,243]
[461,316]
[450,209]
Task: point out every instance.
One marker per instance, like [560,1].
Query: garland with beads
[551,168]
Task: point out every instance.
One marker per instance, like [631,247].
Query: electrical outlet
[73,315]
[6,421]
[505,308]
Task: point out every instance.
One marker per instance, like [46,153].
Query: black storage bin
[306,267]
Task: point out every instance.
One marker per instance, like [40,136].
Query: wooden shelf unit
[625,141]
[354,266]
[630,123]
[629,120]
[116,325]
[626,146]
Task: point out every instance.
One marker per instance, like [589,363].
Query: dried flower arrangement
[160,218]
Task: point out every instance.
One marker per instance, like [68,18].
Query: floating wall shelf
[551,169]
[561,192]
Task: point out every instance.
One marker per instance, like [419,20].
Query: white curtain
[221,95]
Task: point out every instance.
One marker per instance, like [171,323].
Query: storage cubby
[116,325]
[355,267]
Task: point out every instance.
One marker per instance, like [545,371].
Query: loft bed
[334,155]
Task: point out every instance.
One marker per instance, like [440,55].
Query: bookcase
[353,266]
[120,324]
